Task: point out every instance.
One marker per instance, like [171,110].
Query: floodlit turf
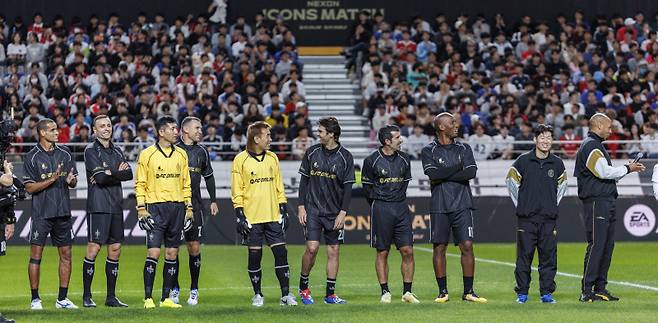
[225,289]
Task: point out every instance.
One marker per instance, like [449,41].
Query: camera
[16,192]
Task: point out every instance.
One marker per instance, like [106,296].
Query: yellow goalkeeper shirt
[163,175]
[257,186]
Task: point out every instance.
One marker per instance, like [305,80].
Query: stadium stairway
[329,92]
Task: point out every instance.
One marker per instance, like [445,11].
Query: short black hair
[163,122]
[386,133]
[541,128]
[331,125]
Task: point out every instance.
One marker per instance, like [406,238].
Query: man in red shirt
[405,45]
[569,150]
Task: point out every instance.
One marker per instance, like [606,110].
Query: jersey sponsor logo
[261,180]
[166,175]
[323,174]
[551,173]
[386,180]
[639,220]
[195,170]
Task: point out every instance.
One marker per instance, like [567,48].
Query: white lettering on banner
[327,13]
[639,220]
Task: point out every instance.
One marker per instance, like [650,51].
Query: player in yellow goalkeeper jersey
[261,210]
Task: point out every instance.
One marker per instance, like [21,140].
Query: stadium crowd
[229,74]
[501,78]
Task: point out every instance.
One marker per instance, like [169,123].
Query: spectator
[504,144]
[569,150]
[214,142]
[302,142]
[414,143]
[648,145]
[480,142]
[80,139]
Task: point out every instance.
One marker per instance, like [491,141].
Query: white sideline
[559,273]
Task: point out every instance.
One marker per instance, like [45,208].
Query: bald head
[441,120]
[601,125]
[446,126]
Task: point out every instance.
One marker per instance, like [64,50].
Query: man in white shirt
[414,143]
[481,143]
[504,144]
[650,148]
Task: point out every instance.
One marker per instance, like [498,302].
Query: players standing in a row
[325,191]
[450,165]
[200,166]
[536,182]
[49,173]
[106,168]
[164,206]
[260,205]
[385,177]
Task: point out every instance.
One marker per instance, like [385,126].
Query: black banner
[326,22]
[494,222]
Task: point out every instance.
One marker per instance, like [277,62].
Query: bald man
[597,189]
[450,165]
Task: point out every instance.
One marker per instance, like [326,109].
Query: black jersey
[449,195]
[386,178]
[104,192]
[328,172]
[39,165]
[200,166]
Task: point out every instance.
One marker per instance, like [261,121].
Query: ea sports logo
[639,220]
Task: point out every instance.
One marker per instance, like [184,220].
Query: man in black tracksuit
[537,181]
[597,189]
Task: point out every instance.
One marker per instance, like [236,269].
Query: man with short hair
[49,173]
[325,192]
[106,168]
[536,182]
[261,206]
[200,166]
[597,189]
[450,165]
[164,206]
[385,177]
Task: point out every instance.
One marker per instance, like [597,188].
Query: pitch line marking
[559,273]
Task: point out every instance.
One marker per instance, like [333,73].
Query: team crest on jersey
[333,168]
[441,161]
[383,172]
[315,165]
[551,173]
[44,166]
[105,164]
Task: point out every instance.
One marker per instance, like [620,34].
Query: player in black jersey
[200,166]
[106,168]
[49,173]
[450,164]
[325,192]
[385,177]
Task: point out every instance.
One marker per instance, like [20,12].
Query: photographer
[7,218]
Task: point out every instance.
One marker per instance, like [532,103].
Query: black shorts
[169,219]
[3,242]
[270,232]
[105,228]
[459,222]
[60,230]
[390,222]
[195,233]
[317,226]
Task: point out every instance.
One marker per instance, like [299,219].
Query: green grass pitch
[226,292]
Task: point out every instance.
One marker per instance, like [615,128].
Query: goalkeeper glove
[189,217]
[283,210]
[146,223]
[243,225]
